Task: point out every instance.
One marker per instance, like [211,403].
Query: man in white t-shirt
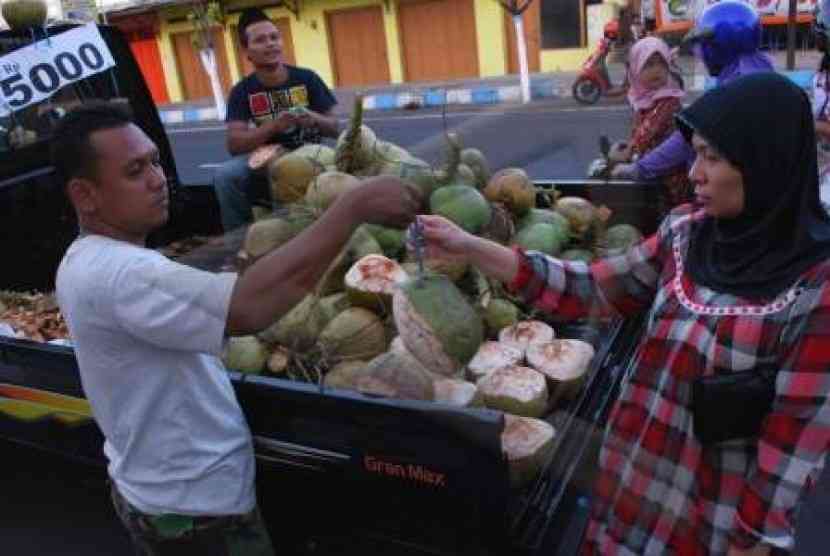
[148,331]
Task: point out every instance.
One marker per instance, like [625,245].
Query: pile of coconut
[376,325]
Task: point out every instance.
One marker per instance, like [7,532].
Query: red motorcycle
[594,81]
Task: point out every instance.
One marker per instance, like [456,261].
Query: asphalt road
[556,139]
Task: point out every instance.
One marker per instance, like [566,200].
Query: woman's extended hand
[445,240]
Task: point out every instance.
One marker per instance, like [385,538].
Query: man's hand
[620,152]
[284,121]
[384,200]
[624,171]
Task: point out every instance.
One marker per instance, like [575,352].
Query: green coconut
[263,236]
[528,444]
[325,189]
[299,328]
[391,240]
[372,281]
[332,305]
[499,314]
[477,162]
[542,237]
[437,324]
[463,205]
[420,174]
[396,375]
[454,270]
[322,155]
[580,213]
[517,390]
[619,238]
[24,14]
[345,374]
[356,333]
[577,255]
[537,216]
[290,176]
[513,189]
[245,354]
[464,175]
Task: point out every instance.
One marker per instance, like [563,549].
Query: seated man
[265,99]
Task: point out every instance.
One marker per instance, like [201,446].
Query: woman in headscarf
[654,94]
[734,289]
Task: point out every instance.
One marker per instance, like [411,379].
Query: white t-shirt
[147,333]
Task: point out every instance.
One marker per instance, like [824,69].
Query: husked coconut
[565,364]
[527,332]
[290,176]
[437,324]
[345,374]
[492,356]
[457,392]
[245,354]
[528,445]
[298,328]
[517,390]
[372,281]
[396,375]
[356,333]
[278,361]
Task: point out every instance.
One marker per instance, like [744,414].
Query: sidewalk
[486,91]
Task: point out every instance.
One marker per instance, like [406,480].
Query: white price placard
[38,71]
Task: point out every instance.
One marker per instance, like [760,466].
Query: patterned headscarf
[640,97]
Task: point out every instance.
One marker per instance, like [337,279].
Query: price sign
[36,72]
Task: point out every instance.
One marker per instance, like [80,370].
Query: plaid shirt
[659,491]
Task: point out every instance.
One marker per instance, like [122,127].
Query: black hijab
[763,125]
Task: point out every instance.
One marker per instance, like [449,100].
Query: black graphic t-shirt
[251,101]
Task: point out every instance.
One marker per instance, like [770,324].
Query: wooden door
[194,79]
[146,52]
[357,44]
[438,39]
[533,37]
[245,66]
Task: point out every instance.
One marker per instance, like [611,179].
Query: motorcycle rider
[821,98]
[727,36]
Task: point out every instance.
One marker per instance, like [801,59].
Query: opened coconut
[437,324]
[372,281]
[290,176]
[356,333]
[512,188]
[261,155]
[492,356]
[396,375]
[541,237]
[245,354]
[477,162]
[324,190]
[500,314]
[463,205]
[24,14]
[360,245]
[457,392]
[525,333]
[344,375]
[564,362]
[278,361]
[528,444]
[517,390]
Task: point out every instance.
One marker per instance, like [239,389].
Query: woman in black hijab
[725,418]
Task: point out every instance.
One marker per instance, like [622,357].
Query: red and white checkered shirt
[659,491]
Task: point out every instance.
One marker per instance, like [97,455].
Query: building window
[562,23]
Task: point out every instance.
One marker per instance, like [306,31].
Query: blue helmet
[724,32]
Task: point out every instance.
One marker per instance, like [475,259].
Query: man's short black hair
[247,18]
[71,150]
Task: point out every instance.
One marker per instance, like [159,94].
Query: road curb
[487,95]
